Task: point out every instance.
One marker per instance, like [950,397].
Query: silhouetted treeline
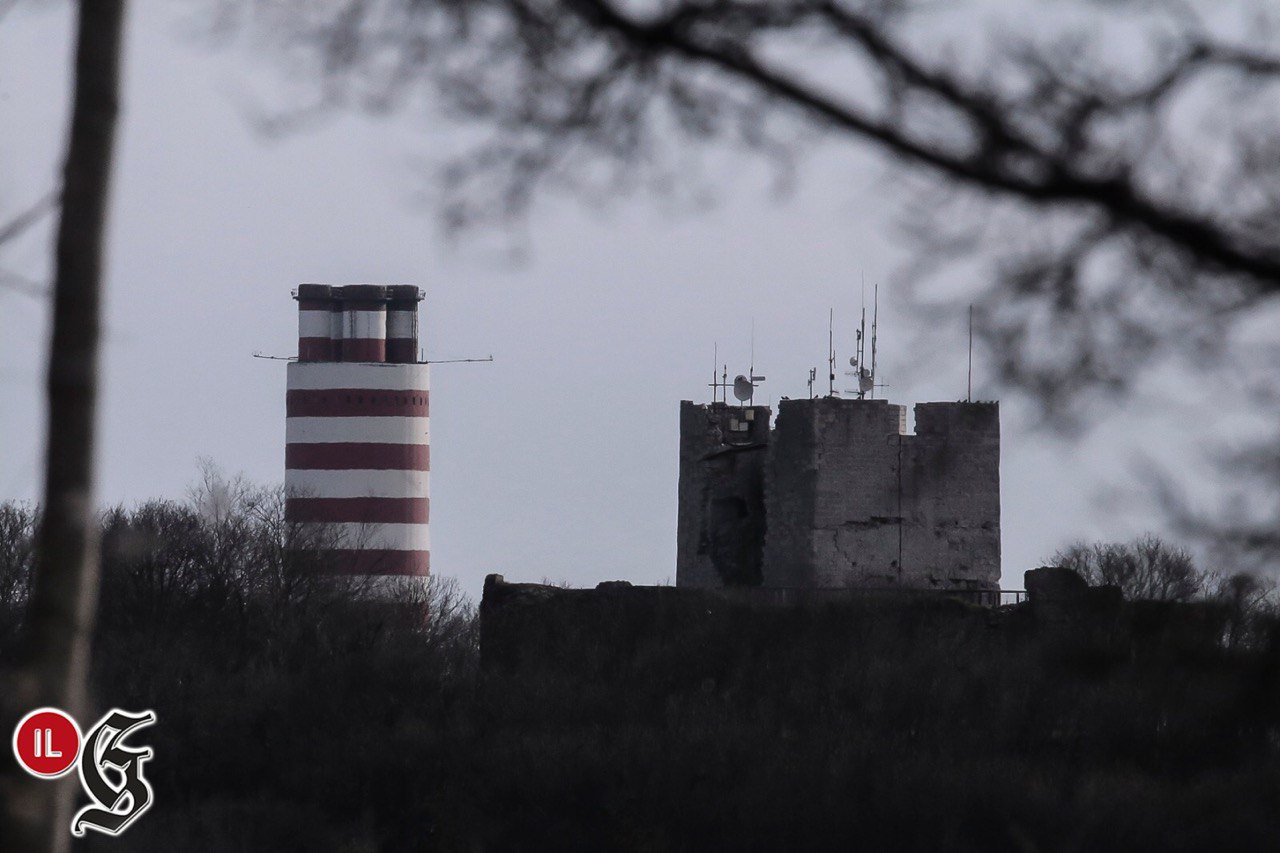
[291,716]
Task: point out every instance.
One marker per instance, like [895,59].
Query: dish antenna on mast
[864,373]
[743,385]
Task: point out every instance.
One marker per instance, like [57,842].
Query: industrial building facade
[357,447]
[837,494]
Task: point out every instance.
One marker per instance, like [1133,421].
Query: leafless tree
[61,604]
[1110,166]
[1150,569]
[1146,568]
[17,534]
[1034,114]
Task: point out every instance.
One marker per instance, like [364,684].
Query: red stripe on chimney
[358,510]
[364,349]
[353,456]
[375,562]
[356,403]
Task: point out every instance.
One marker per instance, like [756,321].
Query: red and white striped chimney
[357,455]
[402,323]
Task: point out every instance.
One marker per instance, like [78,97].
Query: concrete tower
[839,495]
[356,450]
[720,532]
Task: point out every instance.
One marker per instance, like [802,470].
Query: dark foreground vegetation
[292,719]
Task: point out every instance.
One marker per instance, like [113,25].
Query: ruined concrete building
[838,494]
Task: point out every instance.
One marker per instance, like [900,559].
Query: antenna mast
[969,395]
[831,353]
[866,373]
[744,387]
[721,381]
[859,360]
[862,342]
[875,322]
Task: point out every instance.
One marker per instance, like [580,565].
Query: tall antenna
[831,353]
[969,396]
[715,364]
[862,329]
[864,372]
[720,381]
[747,384]
[859,360]
[875,322]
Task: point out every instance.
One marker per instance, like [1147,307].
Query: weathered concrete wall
[721,522]
[832,499]
[951,496]
[791,488]
[851,501]
[839,496]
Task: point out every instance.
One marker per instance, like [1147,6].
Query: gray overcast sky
[560,459]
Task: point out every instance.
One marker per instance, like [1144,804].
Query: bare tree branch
[29,217]
[1119,193]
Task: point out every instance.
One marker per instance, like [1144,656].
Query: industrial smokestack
[357,455]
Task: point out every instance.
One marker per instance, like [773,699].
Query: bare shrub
[17,538]
[1146,568]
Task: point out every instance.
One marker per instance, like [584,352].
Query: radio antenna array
[865,373]
[719,377]
[744,385]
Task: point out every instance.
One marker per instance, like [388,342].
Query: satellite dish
[853,362]
[742,388]
[866,382]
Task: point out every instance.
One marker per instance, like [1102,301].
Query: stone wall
[831,494]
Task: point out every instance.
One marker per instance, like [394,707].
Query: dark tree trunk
[60,614]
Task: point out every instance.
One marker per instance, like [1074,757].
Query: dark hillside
[628,718]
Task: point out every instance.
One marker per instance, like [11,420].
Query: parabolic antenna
[742,388]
